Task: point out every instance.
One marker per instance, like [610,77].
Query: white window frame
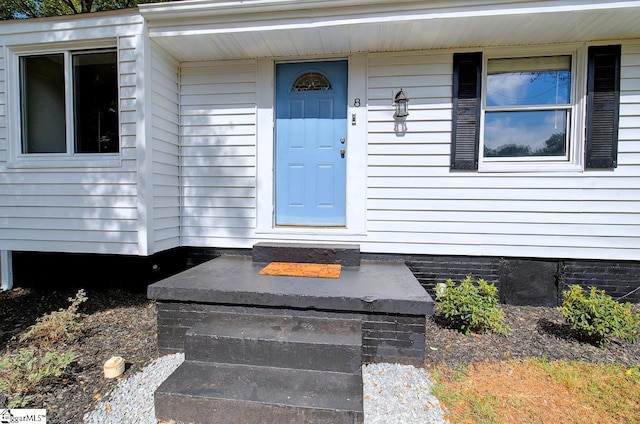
[573,160]
[18,159]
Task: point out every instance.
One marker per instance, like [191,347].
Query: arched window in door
[311,81]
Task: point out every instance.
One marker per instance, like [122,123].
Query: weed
[23,371]
[63,325]
[471,308]
[633,373]
[598,317]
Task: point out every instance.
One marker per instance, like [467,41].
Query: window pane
[522,134]
[95,84]
[43,117]
[529,81]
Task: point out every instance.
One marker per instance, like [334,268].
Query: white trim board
[356,157]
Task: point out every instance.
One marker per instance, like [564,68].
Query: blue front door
[311,131]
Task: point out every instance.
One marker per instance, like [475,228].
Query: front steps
[343,254]
[321,344]
[273,349]
[242,368]
[235,394]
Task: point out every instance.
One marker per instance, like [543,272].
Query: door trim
[356,159]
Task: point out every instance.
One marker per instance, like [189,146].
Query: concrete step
[343,254]
[324,344]
[205,393]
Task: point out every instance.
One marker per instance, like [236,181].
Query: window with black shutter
[603,100]
[521,110]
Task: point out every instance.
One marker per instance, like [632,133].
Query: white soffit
[199,30]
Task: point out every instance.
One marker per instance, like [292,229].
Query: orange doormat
[288,269]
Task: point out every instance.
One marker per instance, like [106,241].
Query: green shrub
[63,325]
[598,317]
[471,308]
[23,371]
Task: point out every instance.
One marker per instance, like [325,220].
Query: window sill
[515,167]
[100,161]
[310,231]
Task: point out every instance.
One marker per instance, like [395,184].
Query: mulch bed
[122,323]
[538,332]
[116,323]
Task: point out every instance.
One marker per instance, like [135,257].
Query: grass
[610,389]
[539,391]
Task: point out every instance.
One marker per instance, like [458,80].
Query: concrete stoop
[265,349]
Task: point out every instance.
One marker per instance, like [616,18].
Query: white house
[208,123]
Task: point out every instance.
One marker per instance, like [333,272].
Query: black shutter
[603,105]
[467,75]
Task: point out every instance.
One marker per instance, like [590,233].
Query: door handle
[342,152]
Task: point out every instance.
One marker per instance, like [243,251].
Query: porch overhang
[197,30]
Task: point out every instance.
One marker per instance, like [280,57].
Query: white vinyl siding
[416,205]
[218,145]
[166,151]
[3,109]
[76,208]
[629,132]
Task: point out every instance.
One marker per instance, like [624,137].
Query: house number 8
[356,102]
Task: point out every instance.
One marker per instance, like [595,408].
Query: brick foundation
[536,282]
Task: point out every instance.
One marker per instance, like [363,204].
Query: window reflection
[516,134]
[527,109]
[529,81]
[96,102]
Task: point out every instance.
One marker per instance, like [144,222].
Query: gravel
[132,399]
[393,394]
[399,394]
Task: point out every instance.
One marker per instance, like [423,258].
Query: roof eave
[438,9]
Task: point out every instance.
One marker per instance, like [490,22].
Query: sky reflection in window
[529,81]
[525,133]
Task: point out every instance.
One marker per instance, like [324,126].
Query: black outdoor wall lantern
[401,102]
